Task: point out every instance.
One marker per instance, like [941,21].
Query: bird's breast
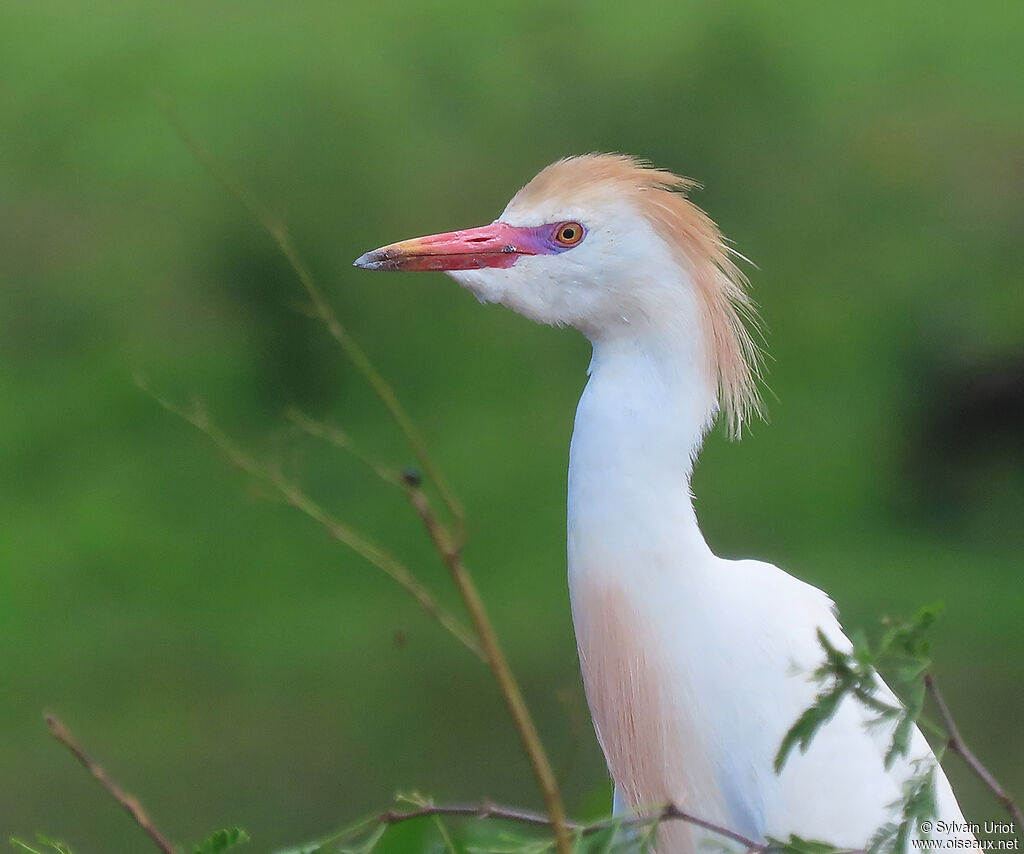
[639,706]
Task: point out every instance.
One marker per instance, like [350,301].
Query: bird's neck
[639,427]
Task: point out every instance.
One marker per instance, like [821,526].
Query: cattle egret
[694,666]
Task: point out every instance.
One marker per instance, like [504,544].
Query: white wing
[839,790]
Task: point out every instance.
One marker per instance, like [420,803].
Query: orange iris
[569,233]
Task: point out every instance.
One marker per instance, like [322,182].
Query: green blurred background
[228,662]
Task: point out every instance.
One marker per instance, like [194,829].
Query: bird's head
[609,245]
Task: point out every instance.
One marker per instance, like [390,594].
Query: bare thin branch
[293,495]
[488,810]
[451,554]
[482,810]
[130,803]
[958,746]
[340,439]
[274,226]
[670,812]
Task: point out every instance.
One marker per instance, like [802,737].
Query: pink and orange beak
[494,245]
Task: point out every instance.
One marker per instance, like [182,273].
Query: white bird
[694,666]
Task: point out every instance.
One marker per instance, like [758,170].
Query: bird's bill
[494,245]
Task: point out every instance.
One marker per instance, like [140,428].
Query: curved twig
[957,745]
[129,802]
[293,495]
[488,810]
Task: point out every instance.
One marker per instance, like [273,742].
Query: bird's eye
[569,233]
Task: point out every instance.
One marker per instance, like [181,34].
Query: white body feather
[726,646]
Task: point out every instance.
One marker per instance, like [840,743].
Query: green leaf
[909,637]
[222,840]
[900,741]
[799,845]
[902,652]
[807,725]
[45,842]
[916,805]
[861,648]
[919,803]
[912,670]
[882,839]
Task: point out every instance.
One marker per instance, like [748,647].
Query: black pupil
[568,233]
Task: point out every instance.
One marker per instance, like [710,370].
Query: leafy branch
[904,652]
[620,834]
[640,828]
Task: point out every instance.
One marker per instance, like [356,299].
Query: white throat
[638,429]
